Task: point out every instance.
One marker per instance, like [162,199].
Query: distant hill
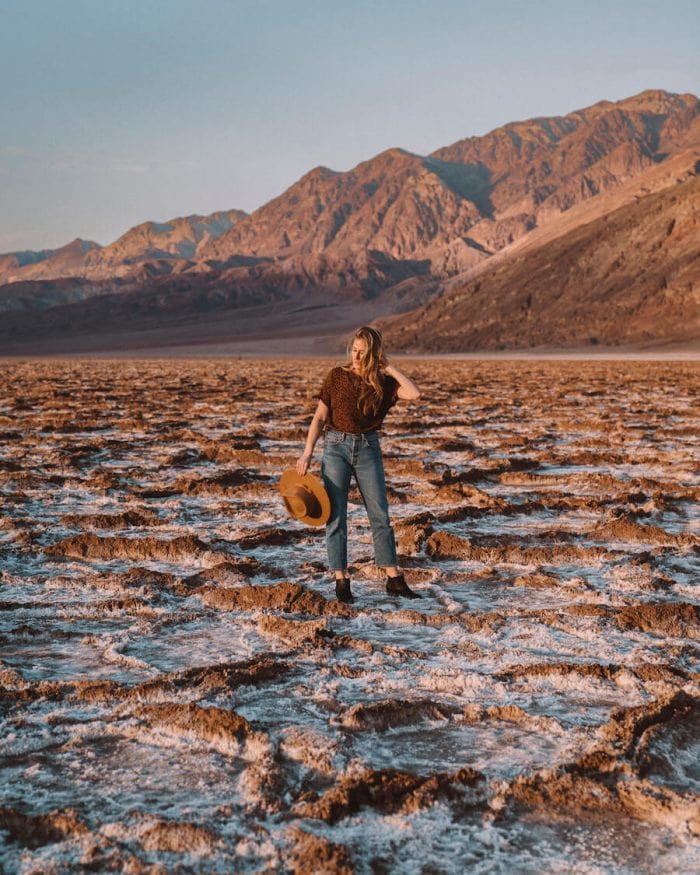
[66,261]
[172,245]
[402,232]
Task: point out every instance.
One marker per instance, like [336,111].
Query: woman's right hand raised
[303,464]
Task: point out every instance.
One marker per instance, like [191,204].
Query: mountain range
[560,232]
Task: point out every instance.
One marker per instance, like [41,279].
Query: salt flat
[179,689]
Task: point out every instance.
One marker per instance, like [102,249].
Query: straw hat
[305,498]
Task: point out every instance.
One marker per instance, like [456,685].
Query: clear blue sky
[114,112]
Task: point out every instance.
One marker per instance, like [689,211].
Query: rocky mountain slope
[66,261]
[165,246]
[401,214]
[384,237]
[631,276]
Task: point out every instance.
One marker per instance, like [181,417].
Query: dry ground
[179,689]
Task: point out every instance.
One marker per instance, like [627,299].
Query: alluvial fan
[180,690]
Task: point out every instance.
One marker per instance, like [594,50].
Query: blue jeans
[359,454]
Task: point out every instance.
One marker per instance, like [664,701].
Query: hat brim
[291,479]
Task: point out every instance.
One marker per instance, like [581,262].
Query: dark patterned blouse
[340,393]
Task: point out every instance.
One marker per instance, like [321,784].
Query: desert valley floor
[180,691]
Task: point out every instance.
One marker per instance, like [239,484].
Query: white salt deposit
[549,610]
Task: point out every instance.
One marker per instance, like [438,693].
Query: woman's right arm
[315,432]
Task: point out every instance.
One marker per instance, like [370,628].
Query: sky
[116,112]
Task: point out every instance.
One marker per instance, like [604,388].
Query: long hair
[372,390]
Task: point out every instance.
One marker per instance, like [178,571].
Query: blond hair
[372,391]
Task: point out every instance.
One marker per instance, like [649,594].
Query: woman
[353,402]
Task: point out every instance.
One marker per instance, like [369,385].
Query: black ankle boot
[397,586]
[342,589]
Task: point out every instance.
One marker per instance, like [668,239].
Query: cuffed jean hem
[345,454]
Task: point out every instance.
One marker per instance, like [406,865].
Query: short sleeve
[325,392]
[391,391]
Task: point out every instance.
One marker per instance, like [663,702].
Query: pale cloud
[119,165]
[15,241]
[113,164]
[9,150]
[87,165]
[11,155]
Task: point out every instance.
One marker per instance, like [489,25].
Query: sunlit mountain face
[461,239]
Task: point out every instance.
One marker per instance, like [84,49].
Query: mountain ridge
[391,232]
[584,289]
[176,240]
